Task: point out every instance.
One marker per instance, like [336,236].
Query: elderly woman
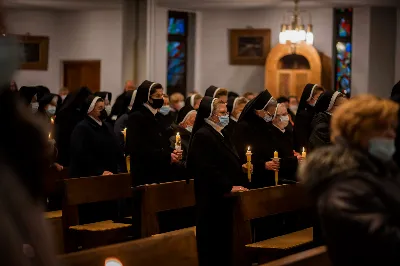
[355,184]
[235,108]
[217,170]
[326,105]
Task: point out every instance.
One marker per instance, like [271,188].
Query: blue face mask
[164,110]
[51,110]
[382,148]
[223,120]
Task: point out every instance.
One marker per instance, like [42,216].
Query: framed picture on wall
[249,46]
[35,51]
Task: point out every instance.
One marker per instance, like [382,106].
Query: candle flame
[304,149]
[113,262]
[177,134]
[248,148]
[49,135]
[52,120]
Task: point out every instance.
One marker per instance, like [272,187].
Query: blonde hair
[357,117]
[176,97]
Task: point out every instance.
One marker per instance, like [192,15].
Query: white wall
[37,23]
[214,45]
[89,35]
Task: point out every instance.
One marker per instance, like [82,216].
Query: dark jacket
[320,134]
[94,149]
[119,126]
[149,147]
[358,199]
[216,167]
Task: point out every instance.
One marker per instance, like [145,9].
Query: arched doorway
[288,71]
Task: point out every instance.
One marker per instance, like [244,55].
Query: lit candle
[128,163]
[276,159]
[178,142]
[304,154]
[248,155]
[50,135]
[113,262]
[52,120]
[124,132]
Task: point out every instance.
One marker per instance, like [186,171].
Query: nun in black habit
[69,115]
[29,97]
[147,138]
[235,107]
[217,170]
[122,122]
[191,103]
[216,92]
[305,115]
[94,148]
[107,97]
[320,134]
[254,130]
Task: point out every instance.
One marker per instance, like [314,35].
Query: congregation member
[107,97]
[22,166]
[235,108]
[119,106]
[191,103]
[29,97]
[41,91]
[177,102]
[284,100]
[217,170]
[305,115]
[63,92]
[165,110]
[326,105]
[219,93]
[94,147]
[355,186]
[249,95]
[147,138]
[69,115]
[122,122]
[293,106]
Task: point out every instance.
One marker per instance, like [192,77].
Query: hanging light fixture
[294,31]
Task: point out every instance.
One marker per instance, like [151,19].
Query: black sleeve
[301,132]
[204,157]
[119,126]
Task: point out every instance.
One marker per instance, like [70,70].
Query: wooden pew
[79,191]
[177,248]
[266,202]
[55,222]
[313,257]
[152,199]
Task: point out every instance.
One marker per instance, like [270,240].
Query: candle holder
[276,159]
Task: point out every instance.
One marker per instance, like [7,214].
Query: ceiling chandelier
[294,31]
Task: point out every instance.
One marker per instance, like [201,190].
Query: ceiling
[228,4]
[63,4]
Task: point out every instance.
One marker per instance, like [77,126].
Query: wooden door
[292,82]
[77,74]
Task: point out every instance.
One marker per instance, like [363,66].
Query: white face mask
[108,109]
[294,108]
[189,128]
[35,107]
[284,118]
[382,148]
[181,105]
[51,110]
[63,97]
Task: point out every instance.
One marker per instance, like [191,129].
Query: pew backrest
[96,189]
[313,257]
[156,198]
[177,248]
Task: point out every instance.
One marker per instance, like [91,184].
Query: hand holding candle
[248,155]
[178,142]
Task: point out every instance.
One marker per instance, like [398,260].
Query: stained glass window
[343,50]
[176,50]
[176,26]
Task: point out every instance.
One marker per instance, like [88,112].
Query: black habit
[395,96]
[320,126]
[304,117]
[216,168]
[94,149]
[147,141]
